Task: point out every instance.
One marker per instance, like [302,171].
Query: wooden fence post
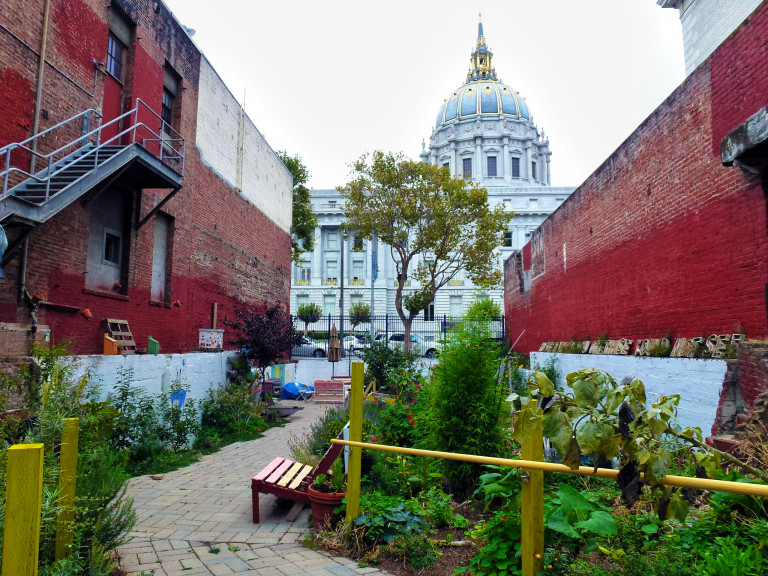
[23,501]
[533,503]
[355,435]
[67,486]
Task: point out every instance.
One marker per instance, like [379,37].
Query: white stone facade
[233,147]
[484,133]
[706,23]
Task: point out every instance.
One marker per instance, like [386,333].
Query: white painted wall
[698,381]
[263,179]
[198,371]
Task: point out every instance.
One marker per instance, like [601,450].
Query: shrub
[381,362]
[466,411]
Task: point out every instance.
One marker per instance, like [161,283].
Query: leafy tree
[435,225]
[304,220]
[309,313]
[483,308]
[359,313]
[265,335]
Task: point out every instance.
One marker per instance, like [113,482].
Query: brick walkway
[188,514]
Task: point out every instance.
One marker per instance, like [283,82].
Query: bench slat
[269,468]
[277,474]
[300,477]
[290,474]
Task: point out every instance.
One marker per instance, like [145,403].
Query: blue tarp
[296,390]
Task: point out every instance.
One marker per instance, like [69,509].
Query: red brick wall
[224,249]
[661,239]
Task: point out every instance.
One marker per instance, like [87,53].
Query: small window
[515,167]
[167,111]
[446,165]
[358,269]
[507,239]
[455,306]
[534,174]
[115,55]
[357,243]
[429,312]
[329,304]
[332,241]
[331,270]
[491,165]
[303,271]
[112,248]
[467,165]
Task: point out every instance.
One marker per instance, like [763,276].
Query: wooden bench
[330,391]
[288,479]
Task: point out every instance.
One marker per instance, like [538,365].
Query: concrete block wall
[698,381]
[198,371]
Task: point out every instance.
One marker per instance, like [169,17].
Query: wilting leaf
[629,482]
[572,457]
[657,426]
[626,417]
[524,423]
[544,384]
[558,428]
[656,467]
[586,393]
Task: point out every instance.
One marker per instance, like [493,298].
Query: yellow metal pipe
[759,490]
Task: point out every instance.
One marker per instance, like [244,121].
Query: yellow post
[355,435]
[23,500]
[67,484]
[532,515]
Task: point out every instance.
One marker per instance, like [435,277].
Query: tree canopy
[436,225]
[304,220]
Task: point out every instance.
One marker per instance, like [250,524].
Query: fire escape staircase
[141,151]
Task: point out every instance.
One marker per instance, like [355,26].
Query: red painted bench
[288,479]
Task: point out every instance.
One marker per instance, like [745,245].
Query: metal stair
[146,154]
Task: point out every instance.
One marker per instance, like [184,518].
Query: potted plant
[326,495]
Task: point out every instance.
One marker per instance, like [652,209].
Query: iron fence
[426,334]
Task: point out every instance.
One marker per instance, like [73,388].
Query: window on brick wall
[169,111]
[115,57]
[161,258]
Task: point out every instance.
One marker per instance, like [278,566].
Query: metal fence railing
[426,335]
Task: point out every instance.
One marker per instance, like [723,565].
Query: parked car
[419,345]
[310,347]
[353,343]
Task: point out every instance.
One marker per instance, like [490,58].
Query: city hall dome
[482,94]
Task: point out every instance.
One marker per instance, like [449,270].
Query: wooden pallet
[119,331]
[330,391]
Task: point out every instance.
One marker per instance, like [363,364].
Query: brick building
[668,235]
[158,202]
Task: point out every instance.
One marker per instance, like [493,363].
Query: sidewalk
[185,516]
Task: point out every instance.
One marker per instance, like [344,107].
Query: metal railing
[169,150]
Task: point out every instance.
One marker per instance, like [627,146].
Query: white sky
[331,80]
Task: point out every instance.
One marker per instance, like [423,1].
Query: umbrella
[334,347]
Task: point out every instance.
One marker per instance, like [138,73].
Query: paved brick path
[207,506]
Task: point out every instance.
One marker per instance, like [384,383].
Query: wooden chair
[288,479]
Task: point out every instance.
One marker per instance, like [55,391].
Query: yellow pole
[355,435]
[759,490]
[67,486]
[23,501]
[532,515]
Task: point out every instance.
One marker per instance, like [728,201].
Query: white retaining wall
[198,371]
[698,381]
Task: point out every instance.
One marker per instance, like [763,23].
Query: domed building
[485,132]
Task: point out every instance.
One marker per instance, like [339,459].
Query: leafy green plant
[385,517]
[602,419]
[465,408]
[500,553]
[569,514]
[416,549]
[500,489]
[177,423]
[309,314]
[381,361]
[359,313]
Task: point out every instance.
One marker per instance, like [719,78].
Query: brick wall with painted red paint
[224,249]
[661,239]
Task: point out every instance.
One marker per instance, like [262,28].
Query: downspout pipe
[39,90]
